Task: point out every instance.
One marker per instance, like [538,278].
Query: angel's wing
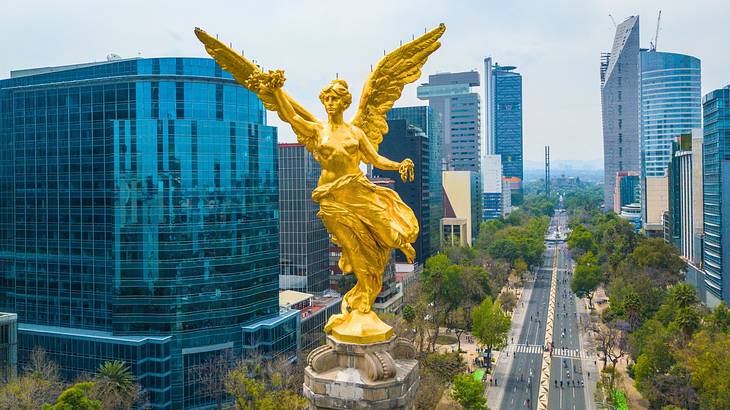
[385,84]
[241,69]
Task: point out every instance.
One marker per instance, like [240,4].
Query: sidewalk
[589,357]
[502,367]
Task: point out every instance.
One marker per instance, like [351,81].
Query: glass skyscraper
[669,105]
[716,188]
[304,263]
[417,137]
[503,120]
[139,218]
[620,110]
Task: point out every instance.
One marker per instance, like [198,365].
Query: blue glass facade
[669,105]
[508,120]
[669,88]
[492,205]
[138,199]
[716,186]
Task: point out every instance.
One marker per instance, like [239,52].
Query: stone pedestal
[376,376]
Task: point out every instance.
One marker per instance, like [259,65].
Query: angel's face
[333,103]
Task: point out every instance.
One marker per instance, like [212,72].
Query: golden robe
[367,221]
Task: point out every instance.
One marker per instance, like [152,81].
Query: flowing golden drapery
[367,221]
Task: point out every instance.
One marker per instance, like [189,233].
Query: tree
[491,324]
[660,259]
[76,397]
[116,386]
[507,300]
[719,320]
[611,339]
[469,392]
[707,359]
[445,288]
[39,384]
[581,239]
[254,390]
[211,373]
[445,366]
[587,277]
[409,313]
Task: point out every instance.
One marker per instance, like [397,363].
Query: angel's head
[335,96]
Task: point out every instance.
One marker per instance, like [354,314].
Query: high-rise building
[697,195]
[463,201]
[8,346]
[670,105]
[680,206]
[503,117]
[627,189]
[139,220]
[619,108]
[493,187]
[414,132]
[304,241]
[457,105]
[716,172]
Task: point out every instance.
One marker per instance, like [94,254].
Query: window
[620,123]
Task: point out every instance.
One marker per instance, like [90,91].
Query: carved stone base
[377,376]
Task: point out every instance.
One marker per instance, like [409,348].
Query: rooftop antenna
[613,21]
[653,44]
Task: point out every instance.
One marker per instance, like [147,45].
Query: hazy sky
[555,45]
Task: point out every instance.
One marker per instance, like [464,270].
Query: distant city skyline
[556,47]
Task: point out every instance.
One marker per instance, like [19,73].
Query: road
[524,353]
[567,367]
[523,378]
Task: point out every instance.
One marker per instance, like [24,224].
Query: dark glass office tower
[138,218]
[716,173]
[503,107]
[304,240]
[425,151]
[403,140]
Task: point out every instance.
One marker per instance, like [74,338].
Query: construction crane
[613,21]
[652,44]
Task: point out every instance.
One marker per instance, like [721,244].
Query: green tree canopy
[469,392]
[587,276]
[707,359]
[490,324]
[76,397]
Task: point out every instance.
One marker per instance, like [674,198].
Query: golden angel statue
[365,220]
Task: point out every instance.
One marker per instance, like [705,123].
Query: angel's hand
[264,83]
[406,170]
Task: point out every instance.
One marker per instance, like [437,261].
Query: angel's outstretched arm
[304,129]
[371,156]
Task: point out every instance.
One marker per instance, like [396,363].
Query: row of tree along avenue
[653,334]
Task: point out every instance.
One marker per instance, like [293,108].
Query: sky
[555,44]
